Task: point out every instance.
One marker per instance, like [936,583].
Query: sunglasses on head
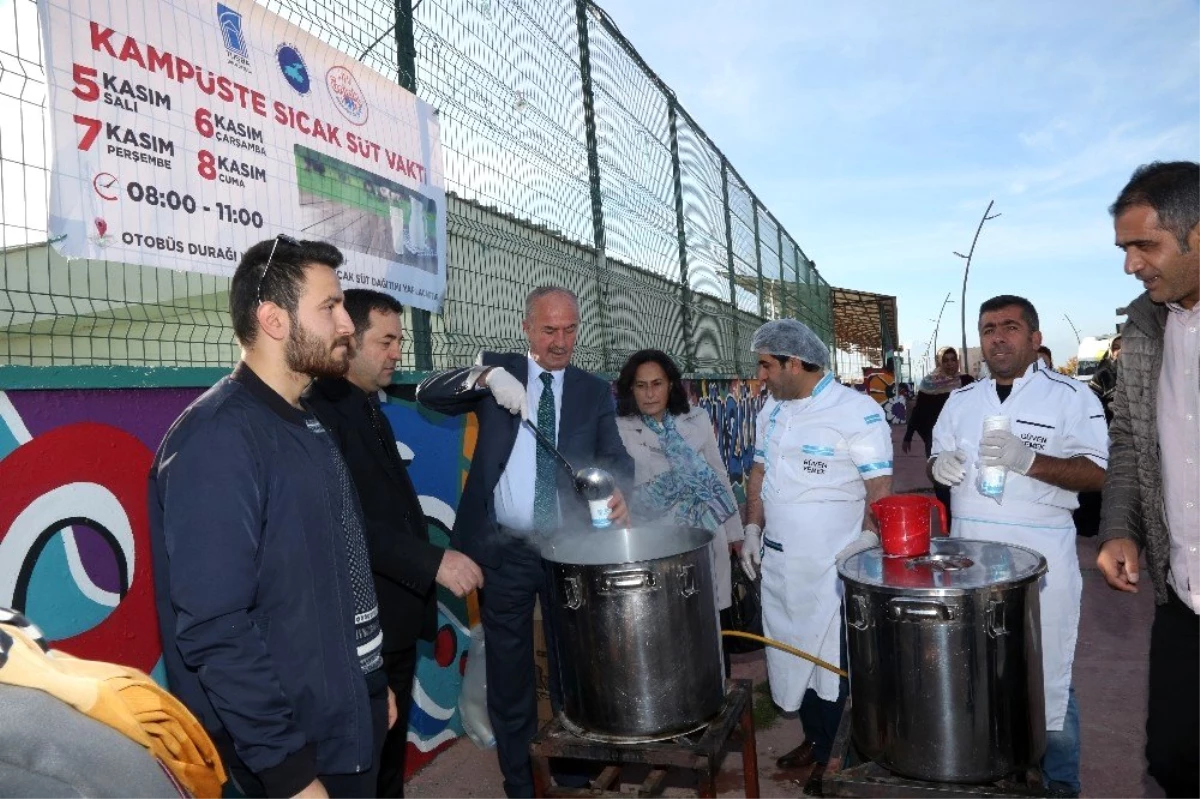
[286,239]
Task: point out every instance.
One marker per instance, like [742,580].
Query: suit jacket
[403,560]
[587,436]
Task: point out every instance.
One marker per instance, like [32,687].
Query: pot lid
[591,547]
[954,564]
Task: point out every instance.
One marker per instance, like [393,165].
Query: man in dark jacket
[405,564]
[265,602]
[1152,489]
[515,495]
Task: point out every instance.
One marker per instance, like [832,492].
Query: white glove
[949,468]
[1004,448]
[752,551]
[508,391]
[866,539]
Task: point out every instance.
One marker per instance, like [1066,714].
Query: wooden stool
[701,752]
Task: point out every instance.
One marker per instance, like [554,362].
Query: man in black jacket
[405,564]
[265,602]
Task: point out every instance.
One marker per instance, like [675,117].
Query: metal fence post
[593,151]
[758,261]
[406,75]
[733,310]
[783,304]
[796,260]
[685,287]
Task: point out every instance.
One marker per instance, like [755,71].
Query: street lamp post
[966,273]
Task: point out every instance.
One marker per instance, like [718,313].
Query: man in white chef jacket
[1057,447]
[823,453]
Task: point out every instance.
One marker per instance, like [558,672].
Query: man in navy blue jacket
[266,606]
[515,494]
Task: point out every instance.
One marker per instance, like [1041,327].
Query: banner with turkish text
[185,131]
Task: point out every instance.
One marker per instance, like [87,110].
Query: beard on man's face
[309,355]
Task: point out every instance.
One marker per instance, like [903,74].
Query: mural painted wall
[733,406]
[882,387]
[74,530]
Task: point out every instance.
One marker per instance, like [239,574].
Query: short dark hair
[281,284]
[805,365]
[1172,189]
[1028,312]
[677,401]
[360,302]
[1115,344]
[1044,350]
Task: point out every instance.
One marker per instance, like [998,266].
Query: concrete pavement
[1110,681]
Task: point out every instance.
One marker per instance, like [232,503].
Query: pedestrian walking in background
[932,394]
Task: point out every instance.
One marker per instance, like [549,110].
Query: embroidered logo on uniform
[1034,441]
[814,466]
[813,449]
[873,418]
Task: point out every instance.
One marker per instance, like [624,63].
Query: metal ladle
[583,478]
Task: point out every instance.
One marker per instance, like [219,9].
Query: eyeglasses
[286,239]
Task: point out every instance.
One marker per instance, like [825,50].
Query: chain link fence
[567,161]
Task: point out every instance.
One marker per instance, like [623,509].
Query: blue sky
[877,133]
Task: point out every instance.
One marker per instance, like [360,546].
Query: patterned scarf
[939,383]
[690,492]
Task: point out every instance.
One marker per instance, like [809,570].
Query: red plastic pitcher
[904,523]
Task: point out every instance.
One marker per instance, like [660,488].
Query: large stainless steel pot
[945,659]
[635,617]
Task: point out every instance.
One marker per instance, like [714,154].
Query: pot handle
[633,580]
[572,593]
[920,610]
[995,618]
[861,617]
[687,580]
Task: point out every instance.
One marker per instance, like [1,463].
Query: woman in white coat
[679,476]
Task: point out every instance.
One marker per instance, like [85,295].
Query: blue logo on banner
[295,71]
[231,31]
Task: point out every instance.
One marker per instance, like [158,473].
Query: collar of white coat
[800,403]
[825,381]
[1030,371]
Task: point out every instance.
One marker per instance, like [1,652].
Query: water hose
[791,650]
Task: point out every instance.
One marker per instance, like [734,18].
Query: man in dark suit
[404,563]
[515,494]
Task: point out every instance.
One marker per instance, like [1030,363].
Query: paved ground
[1110,680]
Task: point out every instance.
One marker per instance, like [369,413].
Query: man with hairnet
[823,453]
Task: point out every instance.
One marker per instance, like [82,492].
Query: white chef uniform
[1057,416]
[816,452]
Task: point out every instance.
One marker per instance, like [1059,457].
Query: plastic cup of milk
[991,478]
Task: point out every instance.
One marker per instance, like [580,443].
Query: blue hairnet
[791,338]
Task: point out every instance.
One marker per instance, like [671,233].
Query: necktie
[545,491]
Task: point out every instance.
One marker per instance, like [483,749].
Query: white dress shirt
[514,493]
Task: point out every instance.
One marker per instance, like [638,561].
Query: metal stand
[848,775]
[701,752]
